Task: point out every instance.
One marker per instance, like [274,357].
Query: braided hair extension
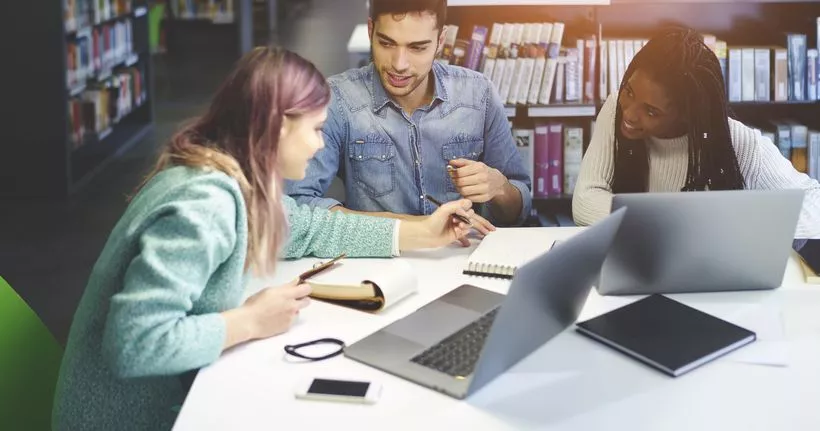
[689,71]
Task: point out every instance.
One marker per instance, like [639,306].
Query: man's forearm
[384,214]
[506,207]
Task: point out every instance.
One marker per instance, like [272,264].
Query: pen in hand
[458,216]
[310,273]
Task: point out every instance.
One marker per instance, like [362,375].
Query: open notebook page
[508,248]
[394,277]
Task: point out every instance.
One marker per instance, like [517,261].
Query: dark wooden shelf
[644,2]
[777,103]
[562,197]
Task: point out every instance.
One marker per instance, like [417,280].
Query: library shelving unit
[734,25]
[204,39]
[77,91]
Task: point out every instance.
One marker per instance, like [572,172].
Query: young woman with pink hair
[165,297]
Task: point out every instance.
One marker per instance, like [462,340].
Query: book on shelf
[539,62]
[553,158]
[450,35]
[217,11]
[551,63]
[511,60]
[797,142]
[573,147]
[524,142]
[814,154]
[96,110]
[540,181]
[490,52]
[799,145]
[475,48]
[365,284]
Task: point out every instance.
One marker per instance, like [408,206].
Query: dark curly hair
[679,61]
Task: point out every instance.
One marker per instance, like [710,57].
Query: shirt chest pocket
[462,148]
[373,165]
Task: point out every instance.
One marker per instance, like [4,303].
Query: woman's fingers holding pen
[480,224]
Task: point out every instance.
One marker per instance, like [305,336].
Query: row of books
[100,107]
[219,11]
[552,152]
[759,73]
[79,14]
[93,54]
[521,60]
[529,63]
[751,73]
[797,142]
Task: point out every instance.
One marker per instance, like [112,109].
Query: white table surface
[571,383]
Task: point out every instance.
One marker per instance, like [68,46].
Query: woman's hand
[269,312]
[442,227]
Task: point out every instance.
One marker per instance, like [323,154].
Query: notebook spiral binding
[489,270]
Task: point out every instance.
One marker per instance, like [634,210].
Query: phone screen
[338,387]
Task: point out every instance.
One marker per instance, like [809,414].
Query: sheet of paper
[395,277]
[771,347]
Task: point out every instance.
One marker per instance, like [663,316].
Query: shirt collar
[380,99]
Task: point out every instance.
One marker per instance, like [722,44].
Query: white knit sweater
[761,164]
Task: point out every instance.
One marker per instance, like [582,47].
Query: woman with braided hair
[669,129]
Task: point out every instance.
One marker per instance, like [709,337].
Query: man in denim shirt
[395,125]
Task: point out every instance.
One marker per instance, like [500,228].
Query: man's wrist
[504,189]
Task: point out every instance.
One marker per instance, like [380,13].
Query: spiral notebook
[503,251]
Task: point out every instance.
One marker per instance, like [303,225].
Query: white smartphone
[339,390]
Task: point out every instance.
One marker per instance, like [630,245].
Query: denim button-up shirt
[389,160]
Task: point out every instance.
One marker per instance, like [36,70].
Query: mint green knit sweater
[150,311]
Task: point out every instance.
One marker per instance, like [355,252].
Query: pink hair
[239,135]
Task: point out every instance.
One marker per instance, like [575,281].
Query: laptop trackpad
[433,322]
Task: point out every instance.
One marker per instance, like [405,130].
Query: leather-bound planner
[364,284]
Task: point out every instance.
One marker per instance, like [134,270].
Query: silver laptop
[459,342]
[701,241]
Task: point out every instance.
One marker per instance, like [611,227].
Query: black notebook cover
[809,250]
[666,334]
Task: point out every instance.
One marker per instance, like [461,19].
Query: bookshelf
[457,3]
[215,11]
[204,40]
[737,24]
[77,90]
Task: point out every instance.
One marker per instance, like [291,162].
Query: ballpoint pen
[310,273]
[458,216]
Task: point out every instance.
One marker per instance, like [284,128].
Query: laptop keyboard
[457,354]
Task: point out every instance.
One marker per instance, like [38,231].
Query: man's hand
[476,181]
